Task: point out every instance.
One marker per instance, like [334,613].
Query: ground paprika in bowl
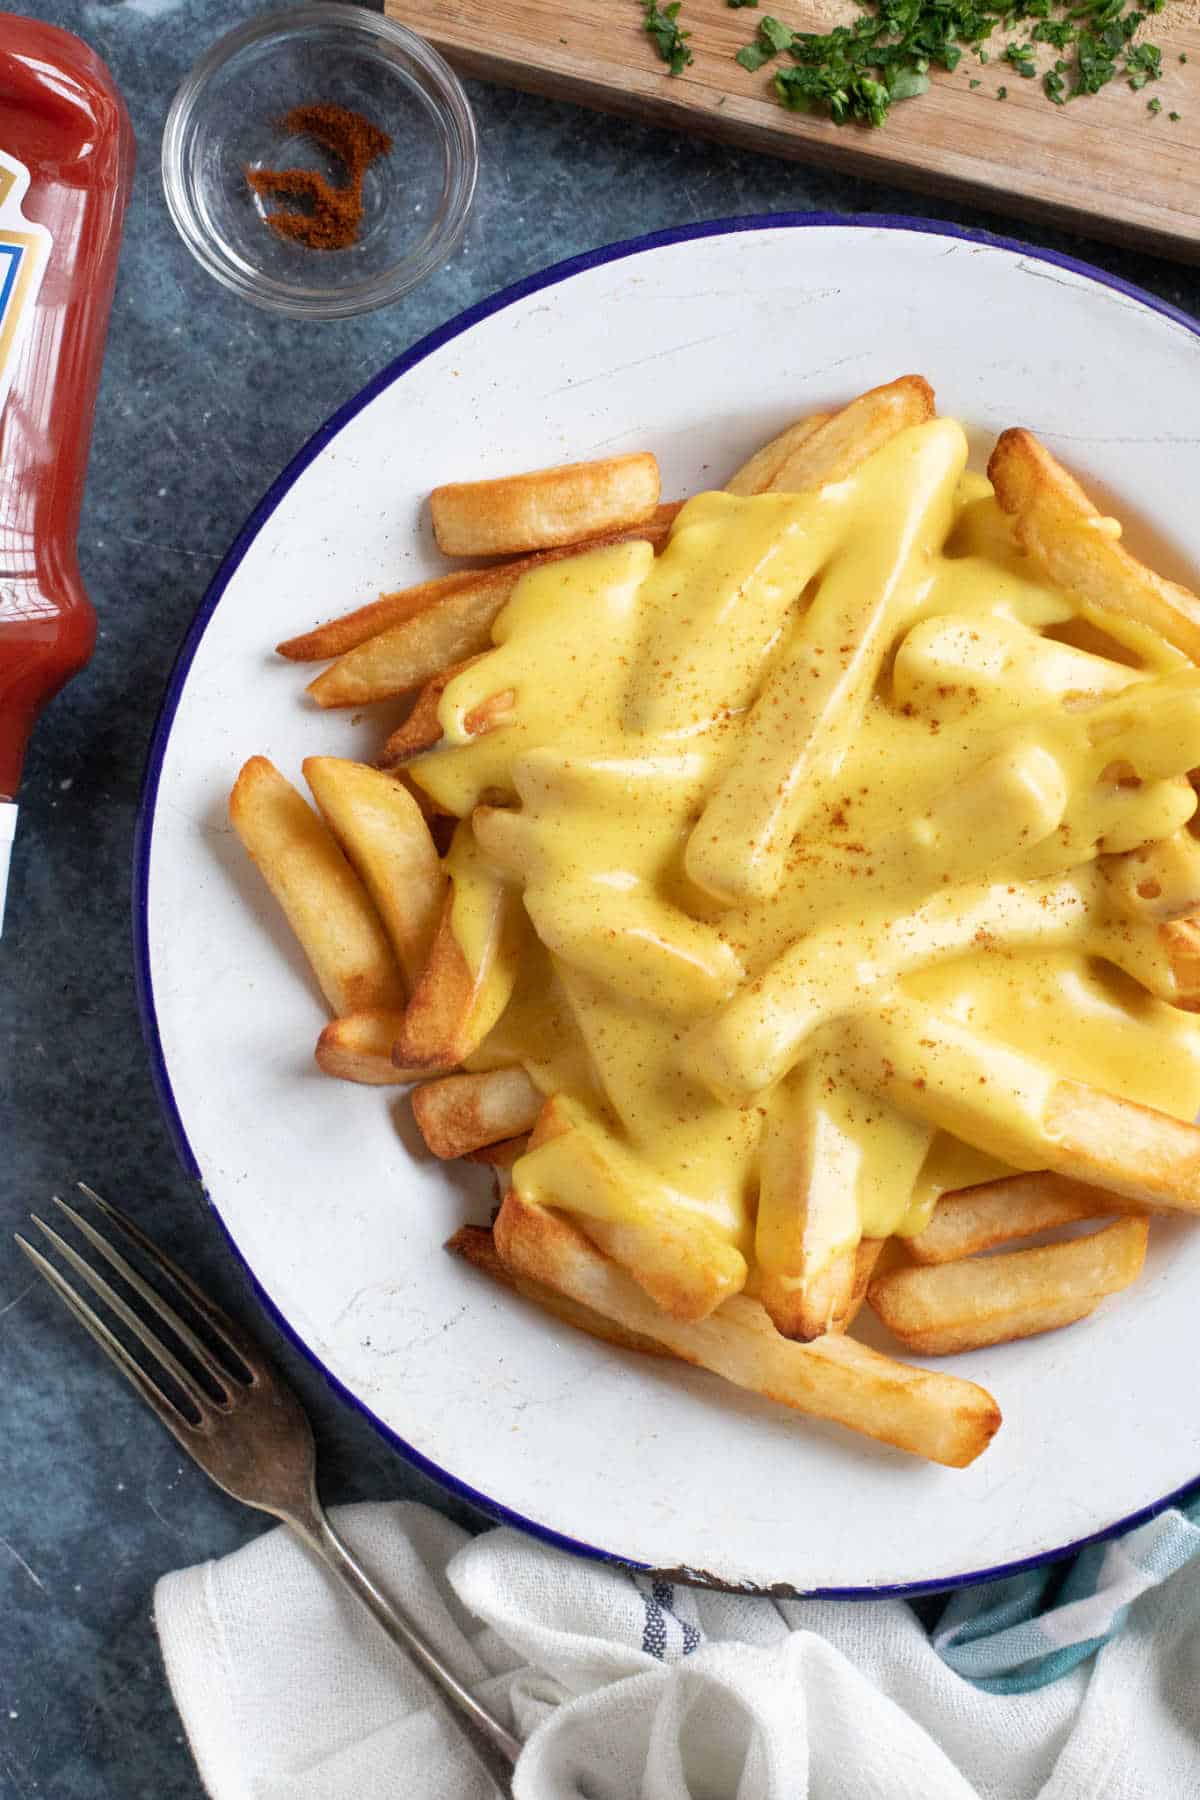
[325,216]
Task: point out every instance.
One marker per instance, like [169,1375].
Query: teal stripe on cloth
[1009,1637]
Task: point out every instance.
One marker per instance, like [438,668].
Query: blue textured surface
[204,400]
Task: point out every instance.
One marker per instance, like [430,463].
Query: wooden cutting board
[1101,165]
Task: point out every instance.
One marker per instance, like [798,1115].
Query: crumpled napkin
[626,1688]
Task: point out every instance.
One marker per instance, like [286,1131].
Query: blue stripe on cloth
[664,1593]
[1012,1636]
[654,1632]
[659,1602]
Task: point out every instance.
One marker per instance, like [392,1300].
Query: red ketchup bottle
[66,161]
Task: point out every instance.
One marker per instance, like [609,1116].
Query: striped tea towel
[1080,1682]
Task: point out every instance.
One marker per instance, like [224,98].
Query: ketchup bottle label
[24,253]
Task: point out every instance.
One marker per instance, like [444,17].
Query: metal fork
[249,1432]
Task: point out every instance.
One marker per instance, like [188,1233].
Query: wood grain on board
[1102,165]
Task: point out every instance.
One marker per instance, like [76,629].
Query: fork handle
[495,1747]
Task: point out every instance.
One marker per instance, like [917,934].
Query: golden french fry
[354,628]
[1056,522]
[946,1308]
[933,1067]
[499,1156]
[867,1258]
[454,628]
[384,834]
[1138,1152]
[546,507]
[809,1215]
[323,900]
[407,655]
[952,661]
[936,1416]
[422,729]
[820,688]
[1180,939]
[680,1259]
[636,943]
[756,473]
[339,635]
[1159,880]
[475,1246]
[844,441]
[454,1003]
[840,967]
[463,1112]
[359,1048]
[972,1219]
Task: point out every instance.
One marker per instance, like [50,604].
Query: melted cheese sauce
[833,766]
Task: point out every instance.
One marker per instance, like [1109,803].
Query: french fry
[354,628]
[756,474]
[422,729]
[454,1006]
[953,660]
[383,833]
[499,1156]
[1011,1106]
[866,1260]
[1157,881]
[339,635]
[323,900]
[1180,939]
[936,1416]
[805,1293]
[464,1112]
[1138,1152]
[359,1048]
[454,629]
[838,968]
[475,1246]
[635,943]
[818,1172]
[947,1308]
[969,1220]
[545,508]
[1060,528]
[811,704]
[842,442]
[676,1255]
[404,657]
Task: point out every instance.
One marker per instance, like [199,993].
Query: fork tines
[198,1397]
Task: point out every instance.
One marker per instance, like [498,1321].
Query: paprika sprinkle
[328,217]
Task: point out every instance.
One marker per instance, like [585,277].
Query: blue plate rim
[434,340]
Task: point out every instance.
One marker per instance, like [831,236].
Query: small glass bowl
[227,118]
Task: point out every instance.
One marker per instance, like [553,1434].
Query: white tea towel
[627,1689]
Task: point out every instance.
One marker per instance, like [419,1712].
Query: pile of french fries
[369,890]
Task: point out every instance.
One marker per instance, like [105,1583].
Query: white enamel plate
[696,344]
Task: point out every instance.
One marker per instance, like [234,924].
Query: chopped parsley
[1154,106]
[1143,63]
[857,71]
[1174,117]
[775,37]
[737,3]
[1021,58]
[671,43]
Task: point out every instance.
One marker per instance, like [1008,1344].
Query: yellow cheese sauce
[810,817]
